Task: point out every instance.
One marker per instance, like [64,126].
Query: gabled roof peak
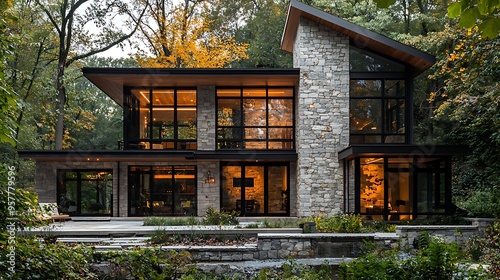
[359,36]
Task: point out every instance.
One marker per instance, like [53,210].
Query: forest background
[46,103]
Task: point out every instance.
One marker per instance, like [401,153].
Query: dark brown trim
[381,150]
[112,80]
[359,36]
[157,155]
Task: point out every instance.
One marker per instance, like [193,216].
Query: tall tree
[179,36]
[72,20]
[8,98]
[484,14]
[262,32]
[28,67]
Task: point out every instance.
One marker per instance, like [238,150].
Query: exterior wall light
[209,179]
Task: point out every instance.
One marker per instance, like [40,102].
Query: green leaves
[490,28]
[384,3]
[481,13]
[454,10]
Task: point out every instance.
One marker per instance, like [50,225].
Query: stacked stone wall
[323,116]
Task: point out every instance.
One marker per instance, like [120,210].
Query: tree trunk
[60,103]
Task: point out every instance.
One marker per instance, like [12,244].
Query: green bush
[481,204]
[214,217]
[148,263]
[39,260]
[434,259]
[490,245]
[343,223]
[279,223]
[292,270]
[169,221]
[378,226]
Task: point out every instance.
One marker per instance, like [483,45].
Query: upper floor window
[378,95]
[162,119]
[377,111]
[255,118]
[363,61]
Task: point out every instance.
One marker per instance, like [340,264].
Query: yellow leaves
[186,41]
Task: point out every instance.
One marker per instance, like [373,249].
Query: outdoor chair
[50,212]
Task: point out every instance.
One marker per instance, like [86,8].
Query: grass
[170,221]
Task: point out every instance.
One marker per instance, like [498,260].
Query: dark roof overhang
[401,150]
[359,36]
[155,155]
[112,80]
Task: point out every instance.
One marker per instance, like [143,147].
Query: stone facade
[322,125]
[206,107]
[46,177]
[322,129]
[458,234]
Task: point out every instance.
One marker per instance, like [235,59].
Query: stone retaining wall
[283,246]
[458,234]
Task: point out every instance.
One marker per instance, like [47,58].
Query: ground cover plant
[171,221]
[432,259]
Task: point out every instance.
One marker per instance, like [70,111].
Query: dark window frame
[266,166]
[62,179]
[174,196]
[133,142]
[383,101]
[239,142]
[444,170]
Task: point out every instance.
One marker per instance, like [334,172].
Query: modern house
[332,134]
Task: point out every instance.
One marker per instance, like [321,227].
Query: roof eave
[359,36]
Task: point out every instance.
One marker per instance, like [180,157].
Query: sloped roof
[112,80]
[359,36]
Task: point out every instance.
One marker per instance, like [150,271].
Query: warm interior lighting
[169,176]
[170,109]
[209,179]
[147,99]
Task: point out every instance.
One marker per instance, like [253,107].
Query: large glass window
[255,118]
[378,98]
[397,188]
[162,119]
[253,190]
[162,191]
[377,111]
[85,192]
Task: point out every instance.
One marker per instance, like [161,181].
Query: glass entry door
[162,191]
[255,190]
[85,192]
[400,196]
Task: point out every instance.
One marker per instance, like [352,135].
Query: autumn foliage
[184,39]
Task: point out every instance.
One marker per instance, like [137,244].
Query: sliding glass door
[162,191]
[255,190]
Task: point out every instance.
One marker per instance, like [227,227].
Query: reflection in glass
[266,119]
[372,187]
[364,61]
[85,192]
[365,88]
[162,191]
[366,116]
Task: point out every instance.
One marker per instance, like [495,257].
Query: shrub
[378,226]
[148,263]
[434,259]
[39,260]
[169,221]
[214,217]
[292,270]
[25,204]
[344,223]
[482,204]
[280,223]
